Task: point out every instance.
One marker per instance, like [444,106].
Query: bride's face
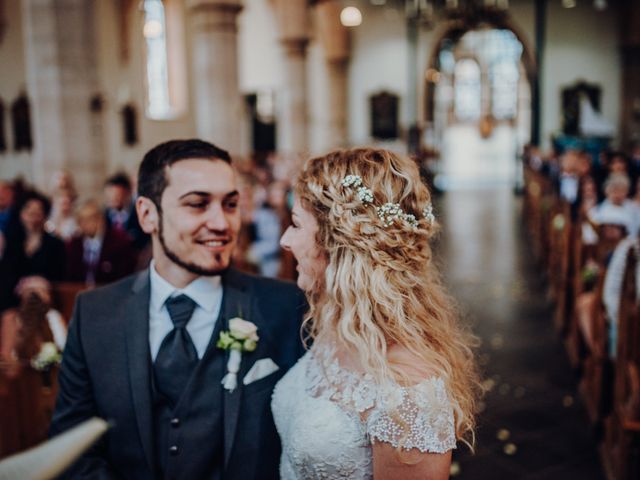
[300,239]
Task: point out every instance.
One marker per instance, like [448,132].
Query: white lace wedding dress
[328,416]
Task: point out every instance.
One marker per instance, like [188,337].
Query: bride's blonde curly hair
[380,287]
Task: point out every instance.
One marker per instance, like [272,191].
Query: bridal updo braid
[380,287]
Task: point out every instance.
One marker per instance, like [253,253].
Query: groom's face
[199,219]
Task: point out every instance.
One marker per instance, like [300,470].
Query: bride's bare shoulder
[410,364]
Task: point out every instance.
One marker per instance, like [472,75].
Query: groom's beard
[189,266]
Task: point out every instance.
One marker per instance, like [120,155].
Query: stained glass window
[504,89]
[158,100]
[467,80]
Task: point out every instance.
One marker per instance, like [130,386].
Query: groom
[142,352]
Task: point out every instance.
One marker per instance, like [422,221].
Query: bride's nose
[284,240]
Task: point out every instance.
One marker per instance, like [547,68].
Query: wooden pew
[26,407]
[64,297]
[537,201]
[560,267]
[621,446]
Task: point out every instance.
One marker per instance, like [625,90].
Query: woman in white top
[390,384]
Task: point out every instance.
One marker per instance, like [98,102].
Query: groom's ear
[148,215]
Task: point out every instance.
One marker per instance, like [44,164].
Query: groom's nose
[217,218]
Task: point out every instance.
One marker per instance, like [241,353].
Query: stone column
[630,49]
[334,38]
[62,87]
[218,105]
[292,99]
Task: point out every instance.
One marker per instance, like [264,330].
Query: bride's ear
[148,215]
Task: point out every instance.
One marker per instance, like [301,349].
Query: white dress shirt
[205,291]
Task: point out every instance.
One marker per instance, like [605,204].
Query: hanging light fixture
[600,4]
[350,16]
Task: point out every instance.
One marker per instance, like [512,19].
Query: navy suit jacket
[106,372]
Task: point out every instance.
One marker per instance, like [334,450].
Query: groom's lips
[214,243]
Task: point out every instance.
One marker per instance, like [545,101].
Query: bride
[390,384]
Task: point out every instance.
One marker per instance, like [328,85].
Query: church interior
[522,115]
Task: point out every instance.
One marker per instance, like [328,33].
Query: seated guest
[616,208]
[33,331]
[618,163]
[588,195]
[62,221]
[62,180]
[569,179]
[25,329]
[29,249]
[120,209]
[100,254]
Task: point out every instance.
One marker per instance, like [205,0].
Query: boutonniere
[242,336]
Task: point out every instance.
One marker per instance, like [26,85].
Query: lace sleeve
[414,417]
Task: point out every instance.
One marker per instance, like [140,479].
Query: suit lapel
[136,308]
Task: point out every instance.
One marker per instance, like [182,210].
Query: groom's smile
[199,219]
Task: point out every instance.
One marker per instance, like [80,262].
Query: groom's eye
[231,204]
[197,205]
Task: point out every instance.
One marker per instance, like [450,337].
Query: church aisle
[533,425]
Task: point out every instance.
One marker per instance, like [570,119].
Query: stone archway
[491,138]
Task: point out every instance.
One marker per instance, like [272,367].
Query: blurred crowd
[604,186]
[603,191]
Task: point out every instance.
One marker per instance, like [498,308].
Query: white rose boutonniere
[242,336]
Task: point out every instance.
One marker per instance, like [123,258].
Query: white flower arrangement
[242,336]
[48,356]
[389,212]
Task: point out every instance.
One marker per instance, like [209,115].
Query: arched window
[467,87]
[504,89]
[165,72]
[155,28]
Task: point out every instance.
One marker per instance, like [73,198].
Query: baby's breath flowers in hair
[364,194]
[389,212]
[427,213]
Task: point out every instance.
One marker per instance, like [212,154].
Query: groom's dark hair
[152,178]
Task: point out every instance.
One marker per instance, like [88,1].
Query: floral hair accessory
[427,213]
[389,212]
[241,337]
[364,194]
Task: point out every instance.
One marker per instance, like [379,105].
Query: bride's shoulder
[414,368]
[415,410]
